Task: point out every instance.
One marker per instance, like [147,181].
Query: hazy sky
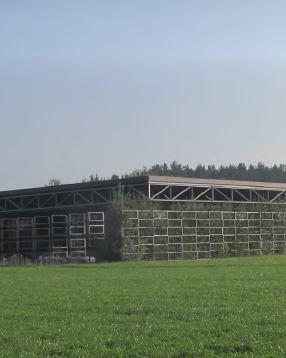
[109,86]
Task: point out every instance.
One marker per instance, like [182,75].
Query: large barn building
[180,218]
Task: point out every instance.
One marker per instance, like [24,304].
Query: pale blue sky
[110,86]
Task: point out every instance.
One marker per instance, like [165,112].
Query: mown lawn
[225,307]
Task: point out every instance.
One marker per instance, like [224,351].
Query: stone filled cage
[170,234]
[51,237]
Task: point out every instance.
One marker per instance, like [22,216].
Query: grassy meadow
[225,307]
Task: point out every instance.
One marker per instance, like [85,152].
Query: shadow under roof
[152,179]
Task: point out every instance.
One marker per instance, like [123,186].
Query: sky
[111,86]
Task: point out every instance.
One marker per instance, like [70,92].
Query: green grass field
[225,307]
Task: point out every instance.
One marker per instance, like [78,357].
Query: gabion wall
[59,235]
[160,234]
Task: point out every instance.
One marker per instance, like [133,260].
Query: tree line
[241,171]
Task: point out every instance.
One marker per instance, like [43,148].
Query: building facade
[185,218]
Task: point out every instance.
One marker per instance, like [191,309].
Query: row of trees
[258,172]
[241,171]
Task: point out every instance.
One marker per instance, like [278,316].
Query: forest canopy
[241,171]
